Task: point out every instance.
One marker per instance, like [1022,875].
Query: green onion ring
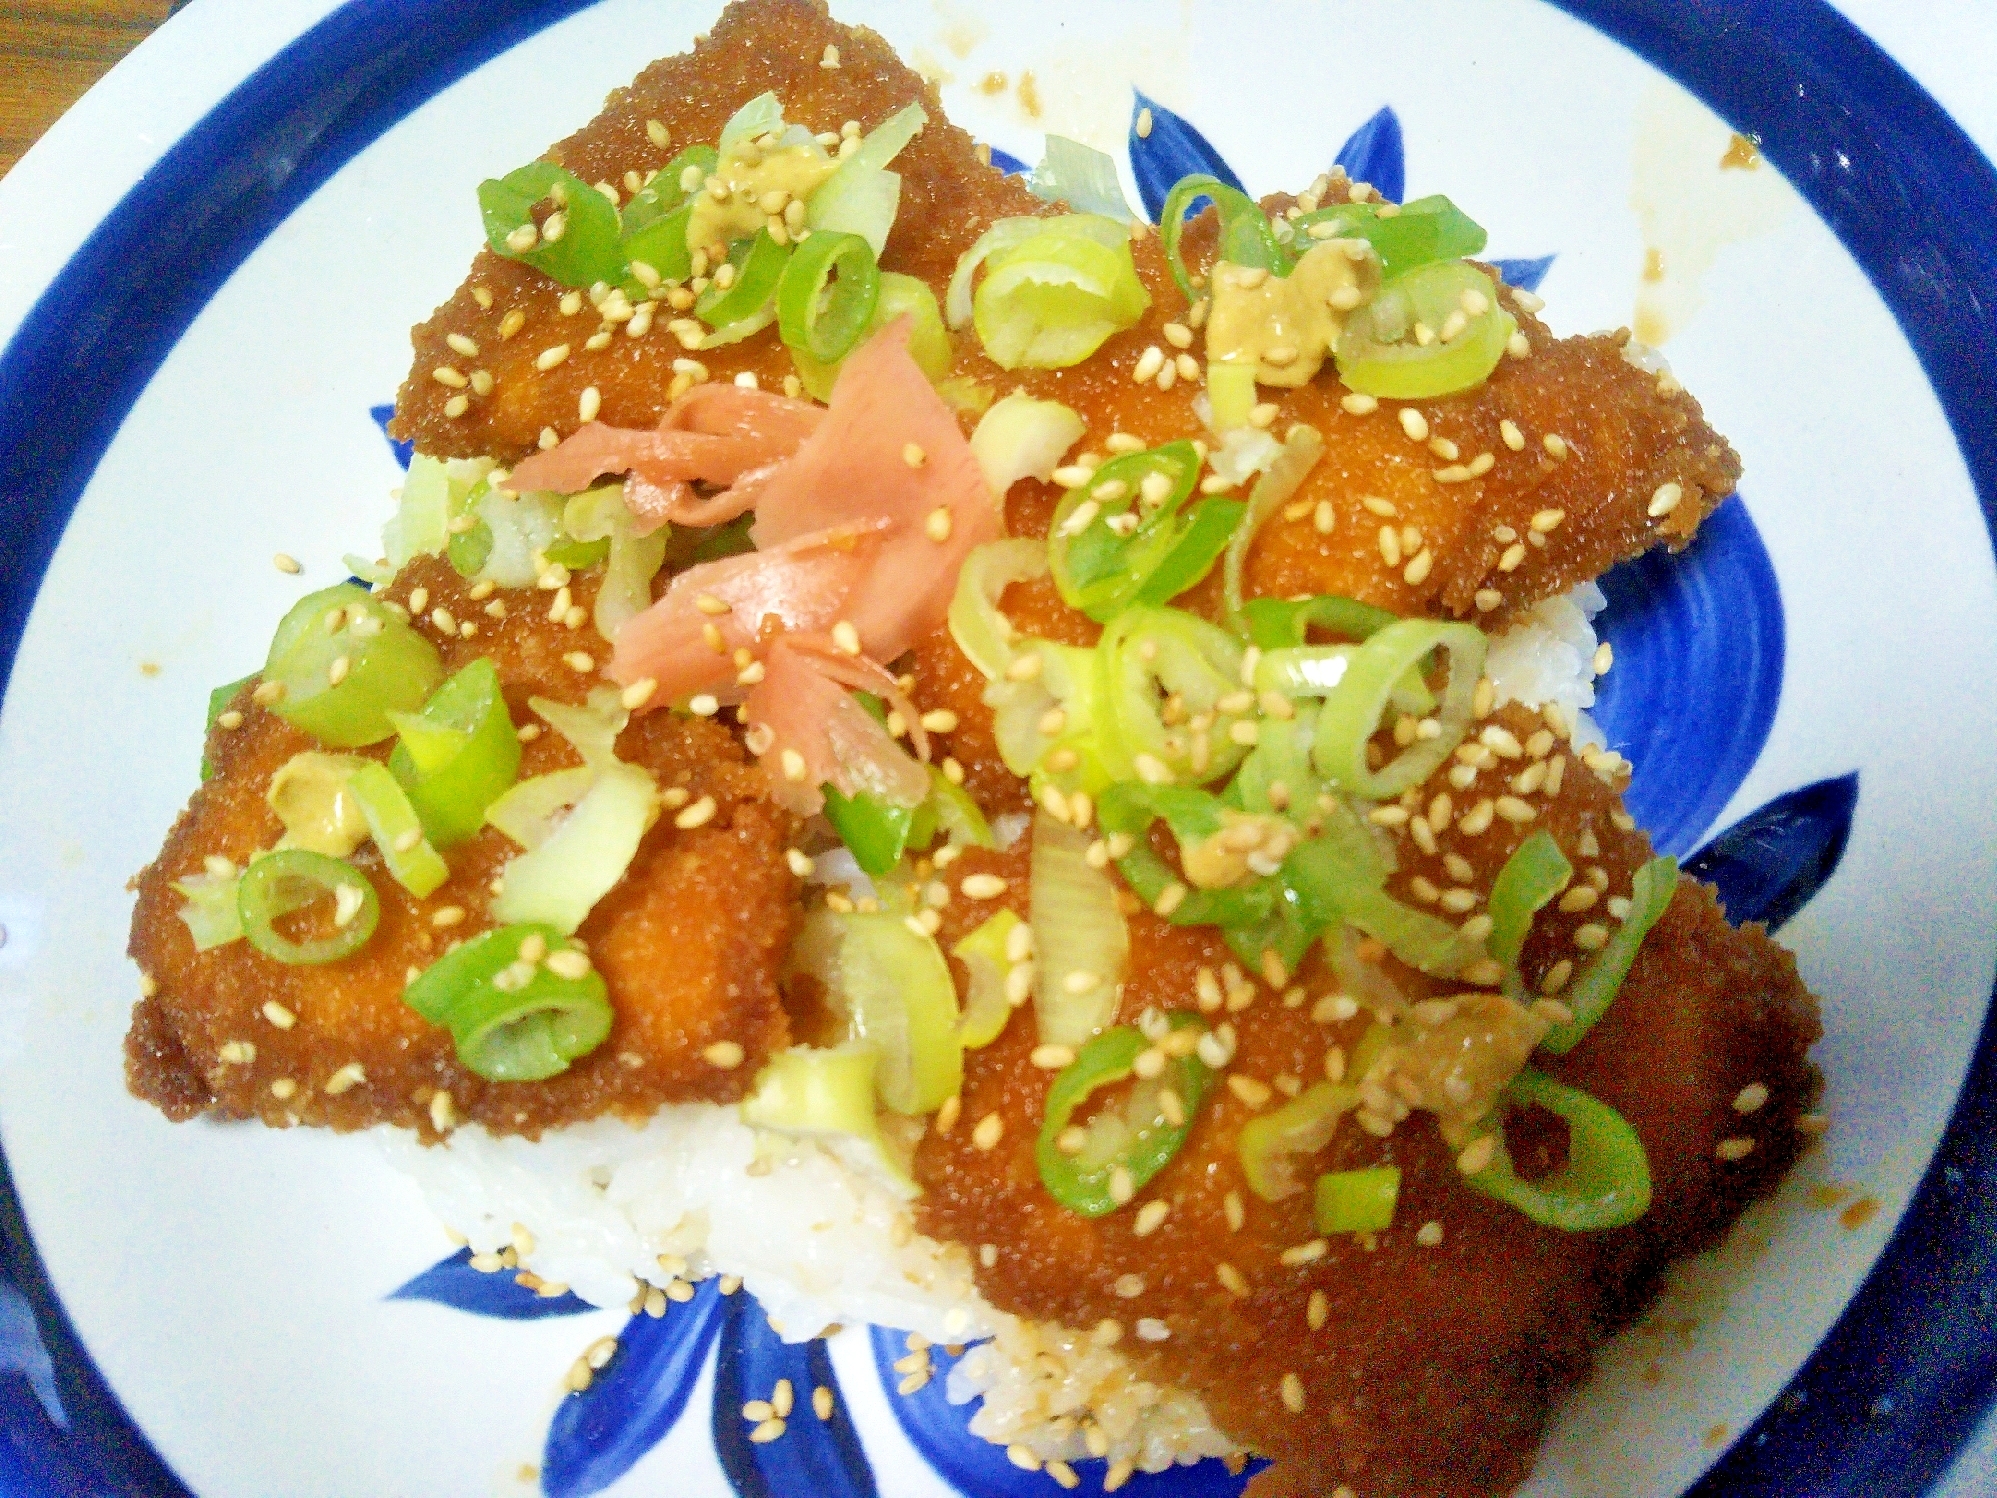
[1352,711]
[292,880]
[1651,892]
[759,269]
[1083,1185]
[823,317]
[1357,1201]
[1606,1180]
[513,1020]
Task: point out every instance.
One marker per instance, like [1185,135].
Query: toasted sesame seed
[697,815]
[1751,1098]
[1293,1393]
[724,1055]
[1053,1057]
[1591,937]
[1665,500]
[345,1079]
[1149,363]
[770,1430]
[548,358]
[1231,1279]
[580,660]
[1429,1235]
[1737,1148]
[1150,1217]
[1414,424]
[1249,1090]
[1545,522]
[982,886]
[990,1129]
[1143,124]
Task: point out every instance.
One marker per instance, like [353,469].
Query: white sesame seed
[1149,363]
[697,815]
[724,1055]
[1665,500]
[990,1129]
[548,358]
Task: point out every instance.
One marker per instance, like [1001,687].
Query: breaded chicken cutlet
[690,943]
[1418,1357]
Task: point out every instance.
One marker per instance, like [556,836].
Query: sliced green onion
[1382,351]
[1278,623]
[469,550]
[1533,875]
[980,630]
[987,956]
[760,116]
[949,809]
[1269,1142]
[759,269]
[892,985]
[874,831]
[814,1090]
[862,197]
[827,294]
[1231,389]
[1246,237]
[218,704]
[582,251]
[458,754]
[1050,300]
[397,832]
[514,1018]
[928,339]
[598,517]
[1358,1201]
[521,528]
[577,555]
[1424,942]
[558,883]
[381,665]
[299,888]
[1301,450]
[1352,710]
[1100,567]
[1080,176]
[432,496]
[310,796]
[1068,678]
[1606,1180]
[1281,757]
[1128,809]
[1416,234]
[1127,1145]
[1021,437]
[1004,235]
[1652,889]
[660,245]
[1080,940]
[667,192]
[533,809]
[590,727]
[210,914]
[1145,656]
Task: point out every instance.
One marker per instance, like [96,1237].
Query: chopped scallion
[512,1019]
[332,901]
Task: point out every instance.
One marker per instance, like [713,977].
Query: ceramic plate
[208,271]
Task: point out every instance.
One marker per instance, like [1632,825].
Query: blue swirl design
[941,1431]
[822,1458]
[1008,163]
[453,1282]
[1698,641]
[599,1435]
[1769,864]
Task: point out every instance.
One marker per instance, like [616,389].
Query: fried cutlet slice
[1426,1357]
[1543,477]
[690,942]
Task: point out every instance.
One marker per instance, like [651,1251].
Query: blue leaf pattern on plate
[1698,669]
[599,1434]
[1769,863]
[1008,163]
[940,1431]
[1524,274]
[453,1282]
[823,1458]
[22,1351]
[383,415]
[1375,154]
[1172,150]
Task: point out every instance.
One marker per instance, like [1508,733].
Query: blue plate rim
[1892,1393]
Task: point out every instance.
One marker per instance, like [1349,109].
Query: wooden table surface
[52,50]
